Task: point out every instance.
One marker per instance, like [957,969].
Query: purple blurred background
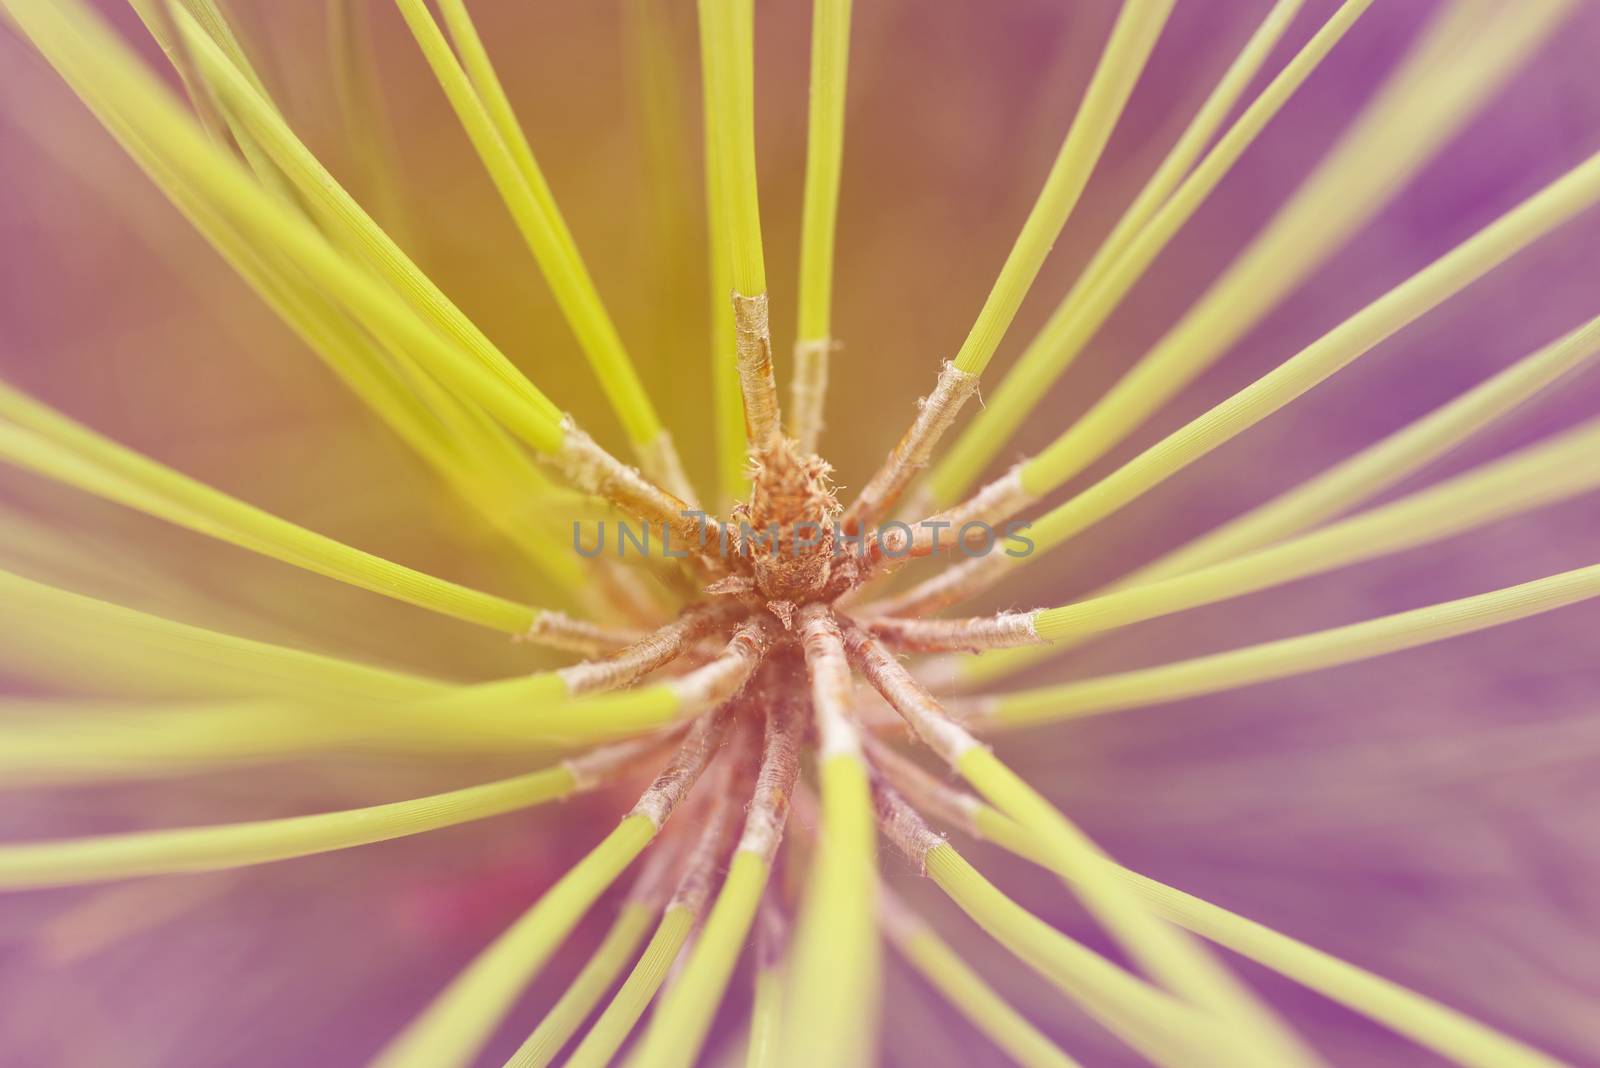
[1426,815]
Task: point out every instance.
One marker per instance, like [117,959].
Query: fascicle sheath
[935,413]
[675,781]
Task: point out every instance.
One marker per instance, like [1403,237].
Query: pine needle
[1237,668]
[679,1025]
[727,400]
[830,54]
[1150,223]
[696,871]
[72,861]
[587,988]
[728,43]
[1360,477]
[835,968]
[1434,1026]
[1132,38]
[1444,81]
[452,1030]
[1535,217]
[611,1030]
[153,13]
[480,103]
[74,742]
[1387,462]
[102,71]
[1160,1028]
[1165,952]
[831,1009]
[39,439]
[1575,192]
[338,209]
[1535,477]
[766,1020]
[136,652]
[970,995]
[365,118]
[454,1027]
[469,452]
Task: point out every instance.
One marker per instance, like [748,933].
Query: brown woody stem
[808,392]
[752,336]
[643,656]
[1004,630]
[915,448]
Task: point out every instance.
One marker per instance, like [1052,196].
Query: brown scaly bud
[790,522]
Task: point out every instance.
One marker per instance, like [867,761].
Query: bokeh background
[1425,815]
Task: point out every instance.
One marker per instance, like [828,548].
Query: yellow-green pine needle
[679,1026]
[1293,656]
[485,112]
[486,82]
[598,973]
[38,438]
[1362,476]
[1384,464]
[1144,231]
[453,1029]
[612,1029]
[536,710]
[299,305]
[975,999]
[153,13]
[151,738]
[766,1021]
[470,452]
[1463,58]
[1164,1030]
[34,546]
[657,102]
[72,861]
[70,742]
[1454,1035]
[356,227]
[830,55]
[211,21]
[209,18]
[727,399]
[832,1006]
[1166,953]
[141,653]
[1564,198]
[1132,38]
[365,117]
[116,86]
[1207,120]
[606,715]
[1437,1027]
[1530,478]
[652,58]
[728,43]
